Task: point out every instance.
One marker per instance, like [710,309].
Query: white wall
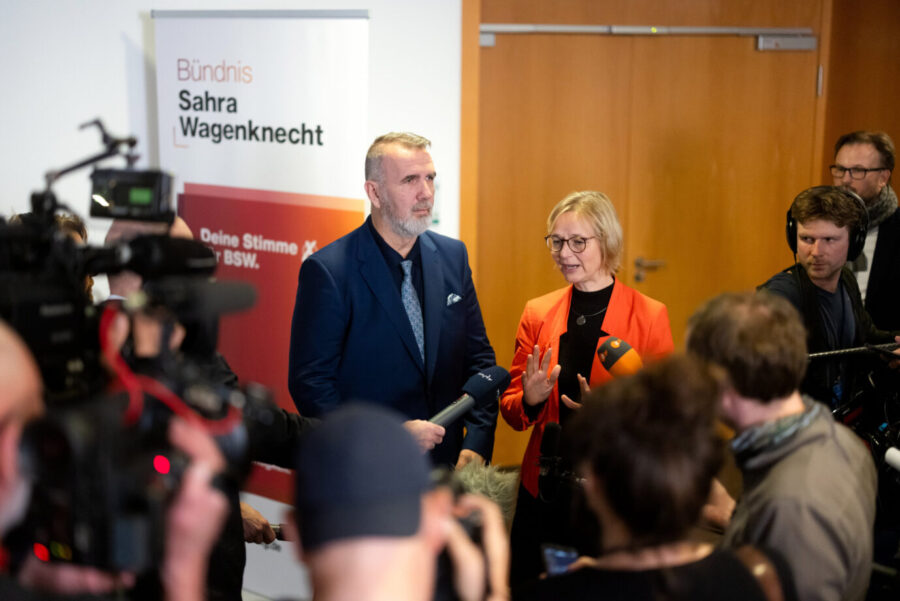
[66,62]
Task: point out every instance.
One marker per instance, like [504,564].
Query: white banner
[263,121]
[275,103]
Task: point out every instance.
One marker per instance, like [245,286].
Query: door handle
[642,266]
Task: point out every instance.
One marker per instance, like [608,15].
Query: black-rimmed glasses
[838,171]
[576,243]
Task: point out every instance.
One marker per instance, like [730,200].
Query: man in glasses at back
[863,162]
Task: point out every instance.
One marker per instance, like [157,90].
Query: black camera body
[102,486]
[102,469]
[100,490]
[131,194]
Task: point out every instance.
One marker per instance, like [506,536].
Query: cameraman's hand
[195,519]
[467,456]
[428,435]
[256,528]
[895,364]
[469,560]
[67,579]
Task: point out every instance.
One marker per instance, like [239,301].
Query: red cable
[132,382]
[124,374]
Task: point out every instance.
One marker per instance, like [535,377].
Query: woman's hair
[596,209]
[650,441]
[71,224]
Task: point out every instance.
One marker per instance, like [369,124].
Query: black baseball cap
[359,474]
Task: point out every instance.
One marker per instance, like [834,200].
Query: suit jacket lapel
[375,273]
[435,301]
[554,326]
[885,251]
[618,312]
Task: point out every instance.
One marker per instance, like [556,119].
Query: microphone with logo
[618,357]
[483,387]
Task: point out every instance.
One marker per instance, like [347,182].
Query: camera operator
[270,444]
[193,520]
[370,523]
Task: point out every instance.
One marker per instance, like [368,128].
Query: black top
[578,344]
[835,308]
[393,260]
[720,575]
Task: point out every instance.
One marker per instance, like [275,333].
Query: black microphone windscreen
[487,383]
[160,255]
[190,298]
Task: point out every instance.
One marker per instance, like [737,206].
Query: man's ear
[730,407]
[292,533]
[373,193]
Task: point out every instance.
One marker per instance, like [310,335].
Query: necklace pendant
[581,320]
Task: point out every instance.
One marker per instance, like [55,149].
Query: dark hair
[880,140]
[67,223]
[757,337]
[650,440]
[829,203]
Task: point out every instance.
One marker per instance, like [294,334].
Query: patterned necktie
[412,306]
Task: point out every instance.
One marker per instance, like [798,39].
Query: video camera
[102,468]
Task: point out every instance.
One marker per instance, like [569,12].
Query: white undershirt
[862,277]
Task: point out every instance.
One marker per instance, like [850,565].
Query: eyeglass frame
[548,240]
[850,170]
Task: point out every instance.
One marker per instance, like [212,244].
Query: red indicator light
[41,552]
[161,464]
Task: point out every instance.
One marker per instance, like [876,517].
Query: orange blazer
[637,319]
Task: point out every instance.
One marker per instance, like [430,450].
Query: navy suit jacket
[351,338]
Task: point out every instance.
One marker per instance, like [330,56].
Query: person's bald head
[20,394]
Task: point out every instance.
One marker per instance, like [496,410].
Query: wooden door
[700,142]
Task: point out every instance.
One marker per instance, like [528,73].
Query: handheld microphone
[487,384]
[618,358]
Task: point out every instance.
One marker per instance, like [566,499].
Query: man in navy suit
[388,313]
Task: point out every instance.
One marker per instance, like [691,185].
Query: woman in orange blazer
[568,341]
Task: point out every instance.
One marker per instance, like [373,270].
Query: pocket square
[453,298]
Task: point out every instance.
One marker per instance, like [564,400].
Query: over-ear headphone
[857,234]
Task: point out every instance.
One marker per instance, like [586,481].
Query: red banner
[261,237]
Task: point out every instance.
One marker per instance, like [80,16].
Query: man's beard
[411,227]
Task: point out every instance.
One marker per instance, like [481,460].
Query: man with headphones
[826,227]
